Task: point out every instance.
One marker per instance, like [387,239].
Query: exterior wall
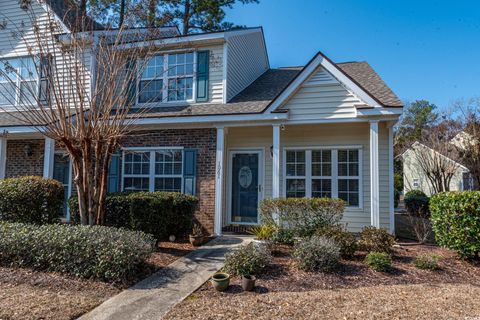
[412,170]
[215,75]
[247,60]
[322,97]
[204,140]
[19,164]
[320,135]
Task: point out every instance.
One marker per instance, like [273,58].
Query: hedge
[31,200]
[455,220]
[103,253]
[158,213]
[416,203]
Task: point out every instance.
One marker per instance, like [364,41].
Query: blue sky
[423,49]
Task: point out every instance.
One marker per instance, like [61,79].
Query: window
[167,77]
[153,170]
[331,173]
[416,183]
[18,81]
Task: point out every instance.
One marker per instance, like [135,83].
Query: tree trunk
[152,10]
[122,13]
[186,18]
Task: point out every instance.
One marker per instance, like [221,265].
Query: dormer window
[18,81]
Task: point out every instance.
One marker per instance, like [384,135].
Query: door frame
[261,180]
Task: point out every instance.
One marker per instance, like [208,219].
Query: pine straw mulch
[352,292]
[29,294]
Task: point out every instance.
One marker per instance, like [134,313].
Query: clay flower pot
[195,240]
[220,281]
[248,283]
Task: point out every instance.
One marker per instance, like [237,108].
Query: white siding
[215,73]
[247,60]
[321,135]
[322,97]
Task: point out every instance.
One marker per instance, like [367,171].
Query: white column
[219,180]
[374,175]
[390,178]
[276,162]
[48,158]
[3,156]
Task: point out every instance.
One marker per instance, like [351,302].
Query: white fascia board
[379,112]
[20,129]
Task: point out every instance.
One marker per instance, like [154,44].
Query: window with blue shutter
[202,75]
[114,174]
[131,66]
[189,171]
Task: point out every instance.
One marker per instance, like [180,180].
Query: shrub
[158,213]
[302,215]
[427,262]
[416,203]
[456,221]
[346,240]
[31,200]
[378,261]
[373,239]
[263,232]
[317,254]
[247,260]
[104,253]
[283,236]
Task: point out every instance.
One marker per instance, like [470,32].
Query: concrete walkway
[153,297]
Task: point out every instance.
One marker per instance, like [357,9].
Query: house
[420,159]
[241,132]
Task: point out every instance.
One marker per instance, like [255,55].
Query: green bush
[104,253]
[317,254]
[373,239]
[246,260]
[456,221]
[416,203]
[158,213]
[378,261]
[31,200]
[346,240]
[302,216]
[398,187]
[427,262]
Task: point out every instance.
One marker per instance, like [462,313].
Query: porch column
[374,175]
[48,158]
[390,178]
[3,156]
[276,162]
[219,180]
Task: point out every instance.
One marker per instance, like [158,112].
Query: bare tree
[86,110]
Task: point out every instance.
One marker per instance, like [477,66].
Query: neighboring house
[242,132]
[414,176]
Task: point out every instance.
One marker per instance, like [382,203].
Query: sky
[422,49]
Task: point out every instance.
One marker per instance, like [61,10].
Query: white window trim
[151,176]
[18,80]
[165,79]
[308,177]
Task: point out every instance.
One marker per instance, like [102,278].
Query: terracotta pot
[248,283]
[220,281]
[196,240]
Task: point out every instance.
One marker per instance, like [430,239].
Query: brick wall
[204,140]
[19,163]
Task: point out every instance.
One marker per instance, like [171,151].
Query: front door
[245,186]
[61,173]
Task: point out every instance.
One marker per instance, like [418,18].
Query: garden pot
[196,240]
[220,281]
[248,283]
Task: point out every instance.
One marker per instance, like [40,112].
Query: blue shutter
[202,75]
[114,173]
[131,66]
[189,171]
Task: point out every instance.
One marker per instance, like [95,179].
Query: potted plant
[263,233]
[248,282]
[220,281]
[196,238]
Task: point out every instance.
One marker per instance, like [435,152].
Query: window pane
[295,188]
[322,188]
[348,190]
[168,184]
[28,92]
[327,169]
[137,163]
[150,91]
[154,68]
[321,163]
[342,155]
[168,162]
[7,93]
[342,169]
[295,163]
[353,155]
[316,169]
[136,184]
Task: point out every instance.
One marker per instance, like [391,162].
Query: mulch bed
[282,281]
[29,294]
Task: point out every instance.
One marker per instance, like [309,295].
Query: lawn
[28,294]
[352,292]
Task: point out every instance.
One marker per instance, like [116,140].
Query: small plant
[378,261]
[196,237]
[317,254]
[197,230]
[247,260]
[427,262]
[346,240]
[418,214]
[373,239]
[263,232]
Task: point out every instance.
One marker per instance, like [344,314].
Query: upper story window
[18,81]
[168,77]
